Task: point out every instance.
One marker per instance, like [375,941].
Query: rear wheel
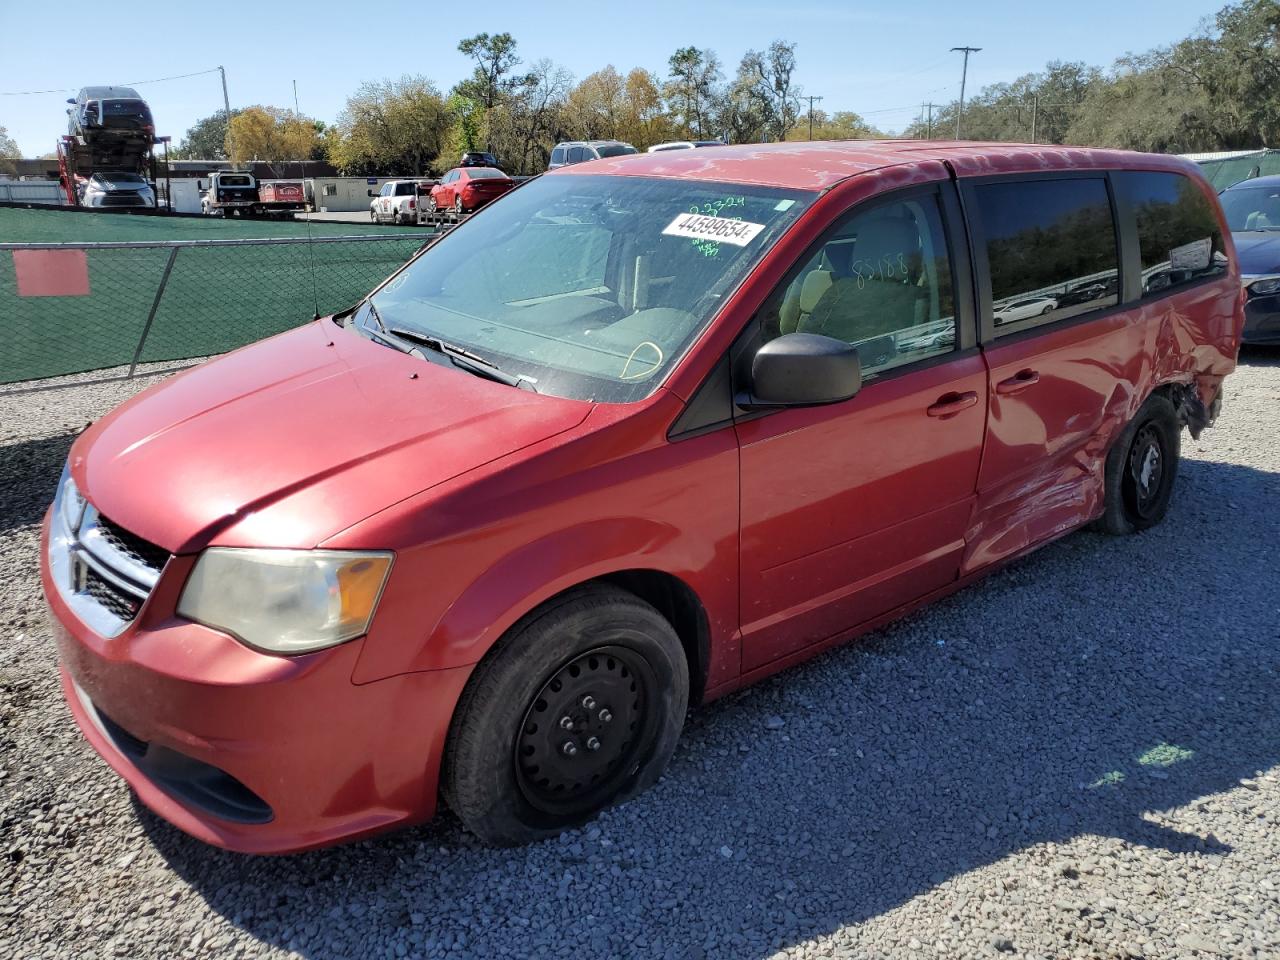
[457,205]
[1141,469]
[577,708]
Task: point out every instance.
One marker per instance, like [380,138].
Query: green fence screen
[201,297]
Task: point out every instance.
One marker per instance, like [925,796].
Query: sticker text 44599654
[696,226]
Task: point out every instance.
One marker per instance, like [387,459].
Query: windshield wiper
[462,358]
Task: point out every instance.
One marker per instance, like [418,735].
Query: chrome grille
[103,572]
[131,545]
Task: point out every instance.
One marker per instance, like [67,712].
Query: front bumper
[247,751]
[1262,320]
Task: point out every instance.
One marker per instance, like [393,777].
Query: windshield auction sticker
[696,226]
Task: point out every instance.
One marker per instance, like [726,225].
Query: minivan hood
[292,440]
[1257,251]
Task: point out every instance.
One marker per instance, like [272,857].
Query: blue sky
[880,59]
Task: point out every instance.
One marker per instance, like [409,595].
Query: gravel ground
[1079,757]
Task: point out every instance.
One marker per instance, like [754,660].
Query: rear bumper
[255,753]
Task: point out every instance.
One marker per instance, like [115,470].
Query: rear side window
[406,189]
[576,155]
[1051,241]
[1179,237]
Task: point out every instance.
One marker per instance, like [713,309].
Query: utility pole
[226,103]
[929,124]
[811,99]
[1035,111]
[963,77]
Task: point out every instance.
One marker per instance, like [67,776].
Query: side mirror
[371,193]
[71,100]
[803,370]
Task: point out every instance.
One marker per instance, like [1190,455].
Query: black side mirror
[371,193]
[803,370]
[71,100]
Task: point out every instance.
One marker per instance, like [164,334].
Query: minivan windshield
[1251,208]
[591,286]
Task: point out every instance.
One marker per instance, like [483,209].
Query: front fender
[529,576]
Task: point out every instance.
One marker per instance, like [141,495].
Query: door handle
[1018,382]
[949,404]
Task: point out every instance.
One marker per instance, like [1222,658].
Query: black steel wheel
[578,707]
[583,731]
[1143,482]
[1141,468]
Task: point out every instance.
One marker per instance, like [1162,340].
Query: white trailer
[342,194]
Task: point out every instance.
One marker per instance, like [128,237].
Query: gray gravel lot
[1079,757]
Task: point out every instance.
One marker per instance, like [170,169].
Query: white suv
[396,202]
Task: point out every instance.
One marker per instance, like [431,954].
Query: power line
[130,83]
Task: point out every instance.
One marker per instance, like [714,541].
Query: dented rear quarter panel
[1044,460]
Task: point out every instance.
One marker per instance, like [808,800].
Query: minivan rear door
[1056,376]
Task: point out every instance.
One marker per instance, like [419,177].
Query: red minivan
[648,430]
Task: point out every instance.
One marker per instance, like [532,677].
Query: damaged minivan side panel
[1115,329]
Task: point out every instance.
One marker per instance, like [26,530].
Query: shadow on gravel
[29,471]
[1069,694]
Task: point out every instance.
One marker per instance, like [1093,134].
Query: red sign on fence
[51,273]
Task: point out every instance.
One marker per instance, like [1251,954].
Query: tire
[1141,468]
[373,216]
[457,206]
[1046,311]
[597,668]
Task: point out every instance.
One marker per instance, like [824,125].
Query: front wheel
[1141,468]
[577,708]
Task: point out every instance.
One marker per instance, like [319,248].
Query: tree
[207,139]
[271,134]
[1035,106]
[390,127]
[8,152]
[533,118]
[644,122]
[595,107]
[495,58]
[773,72]
[691,90]
[742,113]
[841,125]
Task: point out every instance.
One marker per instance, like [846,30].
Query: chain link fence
[70,308]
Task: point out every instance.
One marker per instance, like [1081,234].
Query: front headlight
[285,601]
[1264,288]
[68,505]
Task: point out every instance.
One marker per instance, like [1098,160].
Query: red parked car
[647,432]
[464,189]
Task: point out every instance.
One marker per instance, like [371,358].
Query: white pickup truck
[397,202]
